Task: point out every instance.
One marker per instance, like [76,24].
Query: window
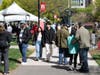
[78,3]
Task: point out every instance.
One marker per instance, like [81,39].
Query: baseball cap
[23,22]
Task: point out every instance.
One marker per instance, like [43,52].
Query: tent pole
[4,18]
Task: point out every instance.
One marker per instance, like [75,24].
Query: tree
[97,13]
[52,6]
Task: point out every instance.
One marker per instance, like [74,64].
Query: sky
[0,1]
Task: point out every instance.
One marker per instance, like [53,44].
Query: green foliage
[89,14]
[97,13]
[5,4]
[88,9]
[52,6]
[97,58]
[97,3]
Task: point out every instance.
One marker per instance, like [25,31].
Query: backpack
[3,44]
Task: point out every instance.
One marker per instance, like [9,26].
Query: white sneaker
[2,62]
[5,74]
[23,63]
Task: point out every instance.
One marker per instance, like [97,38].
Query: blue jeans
[23,50]
[4,53]
[84,57]
[62,58]
[38,49]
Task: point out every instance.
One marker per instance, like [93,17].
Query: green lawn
[96,55]
[13,43]
[14,56]
[97,58]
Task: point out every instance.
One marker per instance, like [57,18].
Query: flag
[43,7]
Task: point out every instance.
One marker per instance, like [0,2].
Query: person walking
[5,39]
[39,41]
[93,39]
[83,36]
[49,36]
[23,37]
[61,37]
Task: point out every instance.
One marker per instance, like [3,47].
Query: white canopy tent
[13,9]
[16,13]
[30,17]
[1,18]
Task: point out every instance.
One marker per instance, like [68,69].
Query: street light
[38,13]
[69,14]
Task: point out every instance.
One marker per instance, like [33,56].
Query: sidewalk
[53,59]
[43,68]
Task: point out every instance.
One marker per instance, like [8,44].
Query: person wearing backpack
[5,39]
[73,47]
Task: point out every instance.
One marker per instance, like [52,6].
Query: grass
[14,56]
[97,58]
[96,55]
[13,43]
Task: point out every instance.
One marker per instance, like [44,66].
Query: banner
[43,7]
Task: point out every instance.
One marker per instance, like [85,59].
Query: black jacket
[49,35]
[6,37]
[35,38]
[25,37]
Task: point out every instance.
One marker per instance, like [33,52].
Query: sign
[43,7]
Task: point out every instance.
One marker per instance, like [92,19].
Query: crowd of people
[71,42]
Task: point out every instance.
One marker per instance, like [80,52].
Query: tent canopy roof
[15,13]
[14,9]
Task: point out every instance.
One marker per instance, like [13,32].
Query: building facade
[80,3]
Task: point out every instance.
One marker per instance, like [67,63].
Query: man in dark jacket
[5,39]
[23,37]
[49,36]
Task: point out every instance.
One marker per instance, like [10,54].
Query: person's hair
[93,31]
[73,31]
[80,24]
[40,28]
[48,23]
[2,28]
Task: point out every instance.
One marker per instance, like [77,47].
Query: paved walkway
[54,58]
[43,68]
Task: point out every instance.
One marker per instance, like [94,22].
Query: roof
[17,10]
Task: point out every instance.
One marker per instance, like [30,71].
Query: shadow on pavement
[55,57]
[16,61]
[94,70]
[31,58]
[1,72]
[61,67]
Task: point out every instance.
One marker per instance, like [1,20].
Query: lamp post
[38,13]
[69,14]
[69,11]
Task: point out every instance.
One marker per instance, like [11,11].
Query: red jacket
[34,29]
